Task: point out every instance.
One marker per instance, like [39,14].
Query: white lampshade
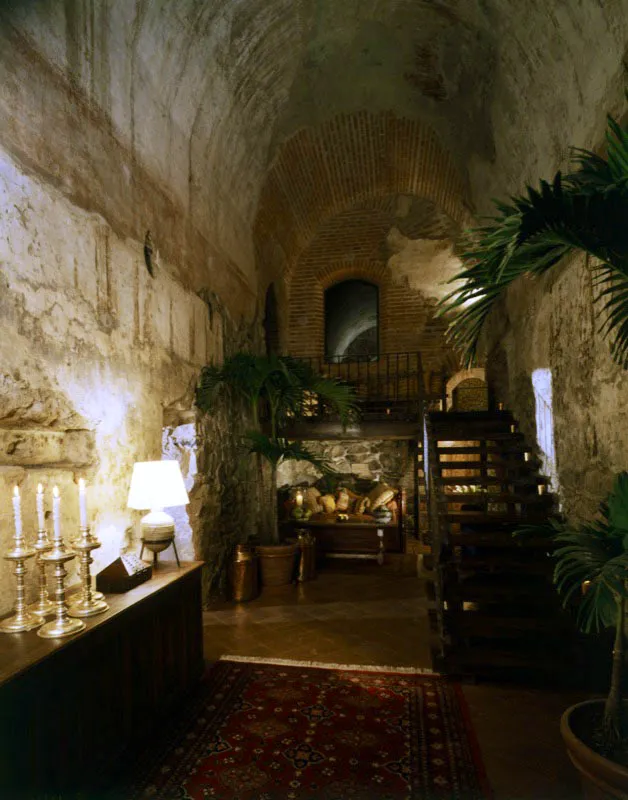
[157,484]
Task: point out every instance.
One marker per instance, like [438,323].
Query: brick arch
[320,172]
[475,373]
[307,301]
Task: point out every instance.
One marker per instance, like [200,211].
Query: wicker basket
[277,563]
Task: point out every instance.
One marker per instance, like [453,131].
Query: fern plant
[582,211]
[591,572]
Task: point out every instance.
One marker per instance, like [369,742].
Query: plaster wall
[552,323]
[95,356]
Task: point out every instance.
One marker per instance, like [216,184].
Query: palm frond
[276,450]
[612,293]
[586,211]
[593,553]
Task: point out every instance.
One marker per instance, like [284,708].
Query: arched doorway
[467,390]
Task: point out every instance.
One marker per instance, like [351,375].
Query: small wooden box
[123,574]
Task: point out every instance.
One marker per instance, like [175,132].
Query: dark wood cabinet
[70,709]
[349,537]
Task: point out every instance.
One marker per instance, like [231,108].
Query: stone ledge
[36,448]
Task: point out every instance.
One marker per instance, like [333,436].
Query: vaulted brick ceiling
[454,101]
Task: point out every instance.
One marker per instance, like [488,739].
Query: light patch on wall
[427,264]
[542,386]
[102,397]
[180,444]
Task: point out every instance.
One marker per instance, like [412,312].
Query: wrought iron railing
[388,385]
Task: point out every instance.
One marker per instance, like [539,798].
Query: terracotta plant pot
[602,779]
[277,563]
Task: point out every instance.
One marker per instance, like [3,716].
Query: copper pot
[244,574]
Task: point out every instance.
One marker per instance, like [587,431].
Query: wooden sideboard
[349,537]
[70,709]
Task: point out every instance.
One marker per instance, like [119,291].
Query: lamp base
[157,529]
[157,547]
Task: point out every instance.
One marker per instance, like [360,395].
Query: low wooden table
[353,536]
[70,708]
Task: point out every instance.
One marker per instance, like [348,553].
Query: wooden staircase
[497,614]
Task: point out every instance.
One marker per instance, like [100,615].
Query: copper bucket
[244,574]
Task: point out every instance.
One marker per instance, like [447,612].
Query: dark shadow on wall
[271,322]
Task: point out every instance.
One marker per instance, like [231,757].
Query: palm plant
[283,385]
[583,211]
[591,571]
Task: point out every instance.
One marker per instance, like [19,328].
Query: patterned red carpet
[264,732]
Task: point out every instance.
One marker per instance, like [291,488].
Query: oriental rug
[260,731]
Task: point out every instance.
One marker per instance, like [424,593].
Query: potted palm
[591,572]
[283,387]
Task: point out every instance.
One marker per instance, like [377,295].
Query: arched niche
[473,379]
[351,312]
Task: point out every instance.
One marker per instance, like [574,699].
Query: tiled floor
[365,615]
[368,617]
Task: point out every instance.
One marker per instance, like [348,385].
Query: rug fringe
[288,662]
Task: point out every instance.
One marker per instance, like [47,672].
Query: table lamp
[157,485]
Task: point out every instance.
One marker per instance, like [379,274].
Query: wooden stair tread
[484,564]
[489,480]
[498,539]
[481,625]
[436,416]
[497,518]
[472,593]
[503,498]
[460,450]
[500,656]
[496,464]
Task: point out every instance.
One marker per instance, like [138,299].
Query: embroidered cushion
[381,495]
[328,502]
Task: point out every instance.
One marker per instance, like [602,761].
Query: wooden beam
[366,430]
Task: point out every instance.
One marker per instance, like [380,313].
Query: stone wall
[552,323]
[96,359]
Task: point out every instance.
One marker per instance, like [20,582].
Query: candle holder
[87,604]
[62,624]
[22,620]
[44,606]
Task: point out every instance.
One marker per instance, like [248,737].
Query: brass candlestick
[44,606]
[22,620]
[87,604]
[62,624]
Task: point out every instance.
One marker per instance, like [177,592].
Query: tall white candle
[17,513]
[82,504]
[299,498]
[56,516]
[40,507]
